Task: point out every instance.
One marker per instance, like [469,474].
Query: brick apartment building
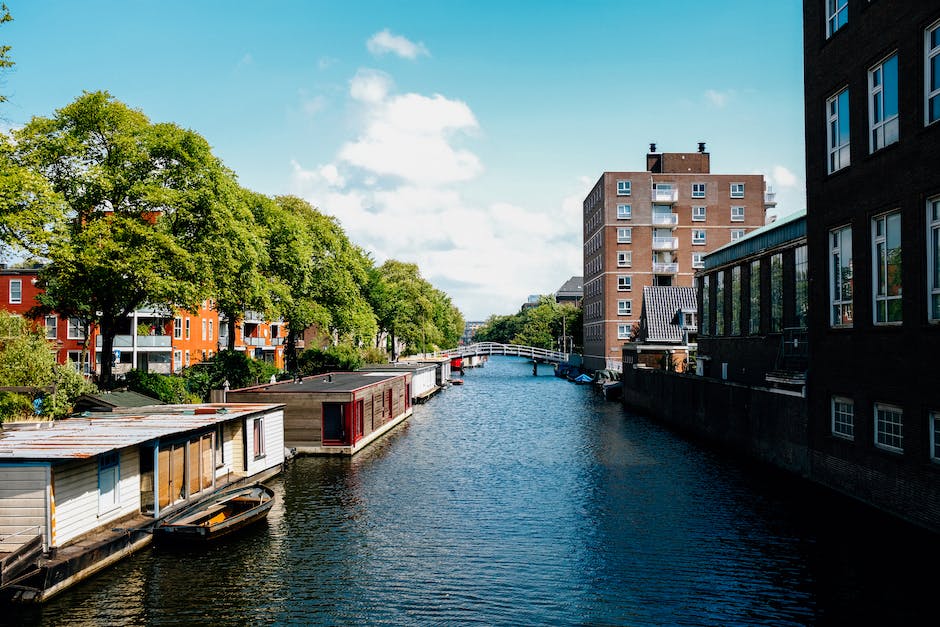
[872,111]
[654,227]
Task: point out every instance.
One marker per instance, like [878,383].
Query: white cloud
[312,106]
[385,42]
[717,98]
[396,188]
[783,177]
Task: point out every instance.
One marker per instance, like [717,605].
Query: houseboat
[441,365]
[339,413]
[423,377]
[91,489]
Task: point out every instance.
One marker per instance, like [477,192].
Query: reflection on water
[524,500]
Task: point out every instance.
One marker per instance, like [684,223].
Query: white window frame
[837,302]
[879,299]
[890,439]
[204,330]
[698,190]
[16,295]
[75,330]
[624,187]
[177,328]
[737,190]
[211,330]
[699,214]
[698,260]
[624,258]
[624,283]
[736,234]
[840,153]
[186,358]
[836,9]
[698,237]
[624,212]
[624,234]
[177,360]
[52,330]
[885,131]
[623,331]
[187,328]
[624,307]
[933,259]
[931,56]
[842,417]
[737,213]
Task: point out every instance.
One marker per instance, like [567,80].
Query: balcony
[665,219]
[665,243]
[277,341]
[665,194]
[255,341]
[253,316]
[665,268]
[143,341]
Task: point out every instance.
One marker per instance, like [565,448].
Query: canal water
[521,500]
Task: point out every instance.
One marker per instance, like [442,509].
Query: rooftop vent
[652,147]
[701,146]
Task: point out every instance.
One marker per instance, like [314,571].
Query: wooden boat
[219,515]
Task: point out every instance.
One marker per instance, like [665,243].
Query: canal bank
[521,500]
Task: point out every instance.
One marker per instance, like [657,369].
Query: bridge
[513,350]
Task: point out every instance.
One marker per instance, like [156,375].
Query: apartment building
[872,112]
[654,227]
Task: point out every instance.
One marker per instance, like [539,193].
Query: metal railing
[665,219]
[665,243]
[511,350]
[665,268]
[142,341]
[667,194]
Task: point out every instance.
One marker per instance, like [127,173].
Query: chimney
[652,147]
[701,146]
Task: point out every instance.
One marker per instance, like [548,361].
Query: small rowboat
[219,515]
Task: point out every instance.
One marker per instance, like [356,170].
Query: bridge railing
[512,350]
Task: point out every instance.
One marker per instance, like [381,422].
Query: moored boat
[219,515]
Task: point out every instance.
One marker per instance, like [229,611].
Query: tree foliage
[27,358]
[6,61]
[541,326]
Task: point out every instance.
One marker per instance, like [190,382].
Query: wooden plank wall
[22,502]
[273,425]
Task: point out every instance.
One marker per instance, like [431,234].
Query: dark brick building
[872,89]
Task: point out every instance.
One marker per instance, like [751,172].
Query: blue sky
[461,136]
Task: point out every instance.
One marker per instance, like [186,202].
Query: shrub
[329,359]
[14,407]
[374,355]
[167,388]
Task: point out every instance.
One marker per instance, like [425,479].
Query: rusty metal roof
[83,437]
[325,383]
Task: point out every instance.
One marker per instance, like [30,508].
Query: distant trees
[126,212]
[543,326]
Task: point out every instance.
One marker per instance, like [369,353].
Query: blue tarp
[583,378]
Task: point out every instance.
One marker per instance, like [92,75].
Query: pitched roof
[659,321]
[573,287]
[106,401]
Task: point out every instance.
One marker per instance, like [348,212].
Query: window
[186,359]
[886,273]
[79,364]
[843,417]
[623,331]
[801,271]
[889,422]
[624,212]
[737,214]
[698,190]
[624,307]
[933,257]
[624,258]
[698,214]
[210,331]
[624,283]
[76,330]
[736,300]
[624,235]
[935,436]
[883,103]
[177,328]
[52,324]
[840,277]
[16,291]
[623,188]
[257,431]
[776,293]
[204,329]
[698,236]
[706,314]
[753,326]
[720,303]
[187,328]
[837,15]
[177,360]
[737,190]
[736,234]
[698,260]
[932,70]
[837,130]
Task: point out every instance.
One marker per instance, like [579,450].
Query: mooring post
[535,368]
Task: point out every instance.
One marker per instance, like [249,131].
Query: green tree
[27,359]
[5,61]
[132,215]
